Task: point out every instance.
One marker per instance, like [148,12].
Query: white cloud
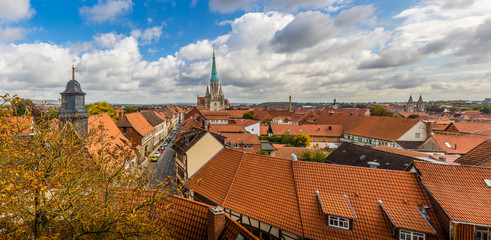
[10,34]
[107,10]
[148,36]
[15,10]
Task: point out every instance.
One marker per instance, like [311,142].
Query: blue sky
[159,51]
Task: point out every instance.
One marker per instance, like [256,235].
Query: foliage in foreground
[52,187]
[318,155]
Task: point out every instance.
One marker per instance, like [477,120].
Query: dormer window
[337,209]
[338,222]
[408,235]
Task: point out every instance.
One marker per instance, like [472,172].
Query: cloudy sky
[159,51]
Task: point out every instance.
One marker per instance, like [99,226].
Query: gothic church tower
[214,98]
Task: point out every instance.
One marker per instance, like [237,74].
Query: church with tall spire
[214,98]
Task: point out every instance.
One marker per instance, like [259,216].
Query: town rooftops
[470,128]
[152,117]
[227,129]
[345,119]
[463,192]
[408,153]
[478,155]
[356,155]
[241,138]
[282,193]
[457,144]
[311,130]
[384,128]
[192,136]
[136,121]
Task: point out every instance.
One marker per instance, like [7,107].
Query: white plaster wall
[420,128]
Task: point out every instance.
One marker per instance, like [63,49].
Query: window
[482,233]
[407,235]
[338,222]
[236,145]
[417,135]
[247,146]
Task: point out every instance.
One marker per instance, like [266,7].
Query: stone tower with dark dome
[73,105]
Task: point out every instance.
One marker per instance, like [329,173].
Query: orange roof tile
[282,193]
[236,113]
[472,127]
[286,152]
[263,130]
[242,138]
[311,130]
[478,155]
[229,128]
[459,144]
[459,190]
[332,118]
[338,205]
[245,122]
[385,128]
[406,217]
[139,123]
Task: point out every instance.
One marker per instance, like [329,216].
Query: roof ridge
[233,180]
[296,195]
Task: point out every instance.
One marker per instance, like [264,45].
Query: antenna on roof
[373,164]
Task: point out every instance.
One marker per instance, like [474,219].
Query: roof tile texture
[311,130]
[385,128]
[139,123]
[478,155]
[460,190]
[459,144]
[282,193]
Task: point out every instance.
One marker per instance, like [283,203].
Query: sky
[160,51]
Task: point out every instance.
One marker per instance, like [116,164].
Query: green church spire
[214,77]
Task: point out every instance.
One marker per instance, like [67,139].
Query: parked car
[155,158]
[166,143]
[160,150]
[157,153]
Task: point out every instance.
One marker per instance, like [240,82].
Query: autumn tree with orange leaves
[53,187]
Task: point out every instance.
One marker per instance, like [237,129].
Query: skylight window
[488,182]
[448,145]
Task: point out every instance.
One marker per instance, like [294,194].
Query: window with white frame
[482,233]
[417,135]
[408,235]
[247,146]
[338,222]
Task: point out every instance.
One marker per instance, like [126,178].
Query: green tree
[413,116]
[313,156]
[301,140]
[248,115]
[129,110]
[102,107]
[287,139]
[378,110]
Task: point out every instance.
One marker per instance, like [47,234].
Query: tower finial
[73,72]
[214,77]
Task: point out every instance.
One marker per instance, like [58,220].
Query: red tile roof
[242,138]
[459,144]
[139,123]
[472,128]
[460,190]
[229,128]
[245,122]
[478,155]
[263,130]
[311,130]
[286,152]
[110,132]
[385,128]
[332,118]
[283,193]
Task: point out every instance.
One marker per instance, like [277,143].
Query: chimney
[290,109]
[231,143]
[373,164]
[216,222]
[455,148]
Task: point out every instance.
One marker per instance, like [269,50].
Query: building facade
[214,98]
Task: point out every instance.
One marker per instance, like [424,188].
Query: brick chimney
[216,222]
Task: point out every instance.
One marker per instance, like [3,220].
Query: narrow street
[165,166]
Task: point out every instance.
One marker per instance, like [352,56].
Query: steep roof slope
[478,155]
[311,130]
[460,190]
[282,193]
[337,118]
[459,144]
[108,130]
[385,128]
[136,121]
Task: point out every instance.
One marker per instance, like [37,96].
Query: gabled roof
[458,144]
[356,155]
[478,155]
[245,122]
[191,137]
[344,119]
[236,113]
[311,130]
[229,128]
[282,193]
[263,130]
[241,138]
[471,128]
[102,125]
[384,128]
[136,121]
[459,190]
[188,219]
[152,118]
